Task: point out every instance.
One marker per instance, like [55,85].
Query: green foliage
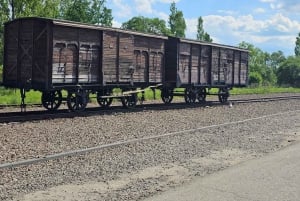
[201,34]
[289,72]
[147,25]
[255,79]
[297,48]
[26,8]
[176,22]
[86,11]
[76,11]
[275,59]
[101,14]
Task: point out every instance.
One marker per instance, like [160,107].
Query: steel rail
[44,115]
[265,99]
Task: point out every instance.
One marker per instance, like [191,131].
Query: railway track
[45,158]
[264,99]
[9,117]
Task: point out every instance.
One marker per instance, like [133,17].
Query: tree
[201,34]
[77,11]
[86,11]
[297,48]
[27,8]
[147,25]
[275,59]
[289,72]
[176,22]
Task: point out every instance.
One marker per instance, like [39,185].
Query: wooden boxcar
[198,66]
[51,55]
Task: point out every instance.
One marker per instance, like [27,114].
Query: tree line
[265,68]
[273,68]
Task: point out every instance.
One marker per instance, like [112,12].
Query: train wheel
[166,95]
[129,101]
[223,95]
[51,100]
[201,95]
[77,101]
[103,102]
[190,95]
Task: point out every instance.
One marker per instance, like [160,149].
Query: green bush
[289,72]
[255,78]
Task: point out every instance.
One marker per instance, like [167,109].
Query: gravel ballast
[137,170]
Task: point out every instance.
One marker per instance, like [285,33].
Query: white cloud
[123,9]
[278,31]
[228,12]
[168,1]
[267,1]
[191,25]
[162,15]
[116,24]
[144,6]
[245,23]
[283,24]
[284,5]
[259,10]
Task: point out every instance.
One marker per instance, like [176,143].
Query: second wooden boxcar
[198,66]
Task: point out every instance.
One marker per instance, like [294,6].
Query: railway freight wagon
[198,66]
[54,55]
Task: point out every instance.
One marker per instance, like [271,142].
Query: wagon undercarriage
[194,94]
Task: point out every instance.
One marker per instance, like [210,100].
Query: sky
[270,25]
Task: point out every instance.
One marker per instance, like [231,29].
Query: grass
[264,90]
[10,96]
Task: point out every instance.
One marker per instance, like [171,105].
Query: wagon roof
[98,27]
[212,44]
[89,26]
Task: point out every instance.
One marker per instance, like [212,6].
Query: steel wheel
[129,101]
[103,102]
[77,101]
[166,95]
[190,95]
[51,100]
[223,95]
[201,95]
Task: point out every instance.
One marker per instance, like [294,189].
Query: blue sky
[271,25]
